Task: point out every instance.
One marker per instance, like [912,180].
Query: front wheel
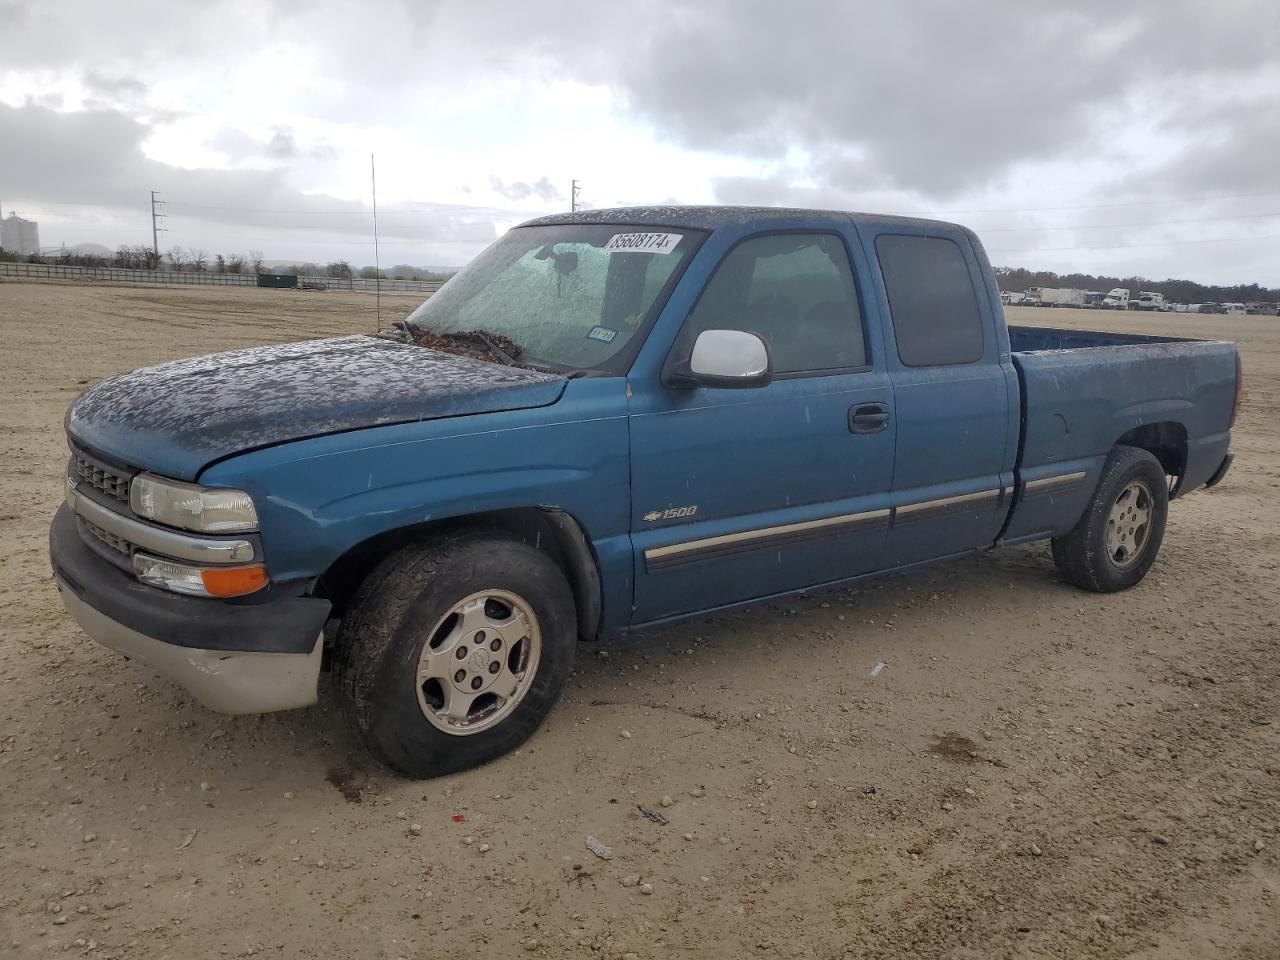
[454,651]
[1114,544]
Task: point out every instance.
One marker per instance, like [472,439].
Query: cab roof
[713,217]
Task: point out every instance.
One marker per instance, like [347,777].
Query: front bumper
[235,657]
[222,680]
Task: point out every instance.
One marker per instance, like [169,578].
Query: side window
[796,291]
[936,320]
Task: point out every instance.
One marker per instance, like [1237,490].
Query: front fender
[318,498]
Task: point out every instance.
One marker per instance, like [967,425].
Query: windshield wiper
[497,350]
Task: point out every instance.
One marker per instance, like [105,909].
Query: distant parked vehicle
[1258,308]
[1212,308]
[1010,297]
[1054,297]
[1116,299]
[1093,300]
[1234,309]
[1148,300]
[1069,297]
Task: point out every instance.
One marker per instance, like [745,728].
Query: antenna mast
[377,264]
[573,196]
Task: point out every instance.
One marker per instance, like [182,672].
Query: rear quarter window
[936,320]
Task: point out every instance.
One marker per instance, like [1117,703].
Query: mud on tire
[474,596]
[1114,544]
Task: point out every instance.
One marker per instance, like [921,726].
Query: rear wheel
[1114,544]
[454,651]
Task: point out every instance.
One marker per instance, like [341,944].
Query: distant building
[19,236]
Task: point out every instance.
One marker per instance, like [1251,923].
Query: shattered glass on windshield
[561,297]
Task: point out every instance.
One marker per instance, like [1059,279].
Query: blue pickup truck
[608,420]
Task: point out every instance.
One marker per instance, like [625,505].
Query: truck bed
[1034,339]
[1084,391]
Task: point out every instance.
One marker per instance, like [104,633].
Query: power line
[361,214]
[1105,206]
[444,207]
[1107,226]
[1124,246]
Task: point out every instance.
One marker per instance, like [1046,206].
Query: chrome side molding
[1061,480]
[677,554]
[945,503]
[689,551]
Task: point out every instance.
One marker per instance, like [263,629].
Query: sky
[1133,139]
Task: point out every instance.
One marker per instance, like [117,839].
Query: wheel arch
[1165,440]
[553,531]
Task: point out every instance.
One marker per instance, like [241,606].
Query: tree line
[192,260]
[1017,279]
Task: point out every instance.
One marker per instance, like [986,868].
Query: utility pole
[377,262]
[156,229]
[573,196]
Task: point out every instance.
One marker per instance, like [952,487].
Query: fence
[50,271]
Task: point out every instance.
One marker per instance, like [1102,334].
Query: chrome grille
[102,478]
[118,544]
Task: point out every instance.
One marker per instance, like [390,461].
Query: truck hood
[176,418]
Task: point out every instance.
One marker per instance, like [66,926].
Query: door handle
[868,418]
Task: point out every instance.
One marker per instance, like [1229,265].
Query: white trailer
[1070,297]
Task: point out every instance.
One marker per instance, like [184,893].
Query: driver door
[739,493]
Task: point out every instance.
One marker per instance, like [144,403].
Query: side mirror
[724,358]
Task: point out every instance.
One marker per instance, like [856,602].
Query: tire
[454,607]
[1099,554]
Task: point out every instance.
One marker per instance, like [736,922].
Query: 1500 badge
[671,513]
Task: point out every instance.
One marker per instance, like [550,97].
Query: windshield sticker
[642,243]
[603,334]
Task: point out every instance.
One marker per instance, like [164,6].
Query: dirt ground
[1036,773]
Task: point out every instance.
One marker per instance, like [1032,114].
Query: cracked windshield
[560,297]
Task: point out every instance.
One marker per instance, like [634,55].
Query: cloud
[237,145]
[922,107]
[282,145]
[114,88]
[934,97]
[54,168]
[542,188]
[1227,147]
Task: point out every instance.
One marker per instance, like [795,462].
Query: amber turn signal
[233,581]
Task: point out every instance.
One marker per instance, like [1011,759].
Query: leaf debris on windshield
[476,344]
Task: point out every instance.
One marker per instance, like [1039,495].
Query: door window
[931,298]
[796,291]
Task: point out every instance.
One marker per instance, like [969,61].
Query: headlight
[192,507]
[199,581]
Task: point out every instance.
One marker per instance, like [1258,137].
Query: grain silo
[19,236]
